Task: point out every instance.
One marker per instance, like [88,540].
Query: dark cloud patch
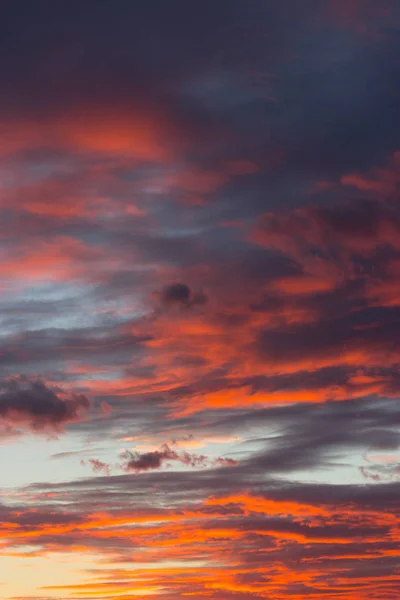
[327,434]
[350,229]
[108,343]
[373,330]
[180,294]
[361,219]
[148,461]
[33,403]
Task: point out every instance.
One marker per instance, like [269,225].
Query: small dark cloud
[181,295]
[34,404]
[149,461]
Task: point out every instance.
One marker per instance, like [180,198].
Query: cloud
[302,530]
[97,466]
[34,404]
[180,294]
[318,235]
[147,461]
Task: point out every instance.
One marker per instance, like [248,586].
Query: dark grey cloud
[180,294]
[155,459]
[49,348]
[371,328]
[33,403]
[147,461]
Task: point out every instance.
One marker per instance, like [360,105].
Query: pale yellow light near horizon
[28,575]
[37,576]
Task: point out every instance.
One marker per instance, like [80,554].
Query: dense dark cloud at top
[242,81]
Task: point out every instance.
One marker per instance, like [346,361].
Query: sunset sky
[200,299]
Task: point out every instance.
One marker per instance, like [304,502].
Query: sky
[200,300]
